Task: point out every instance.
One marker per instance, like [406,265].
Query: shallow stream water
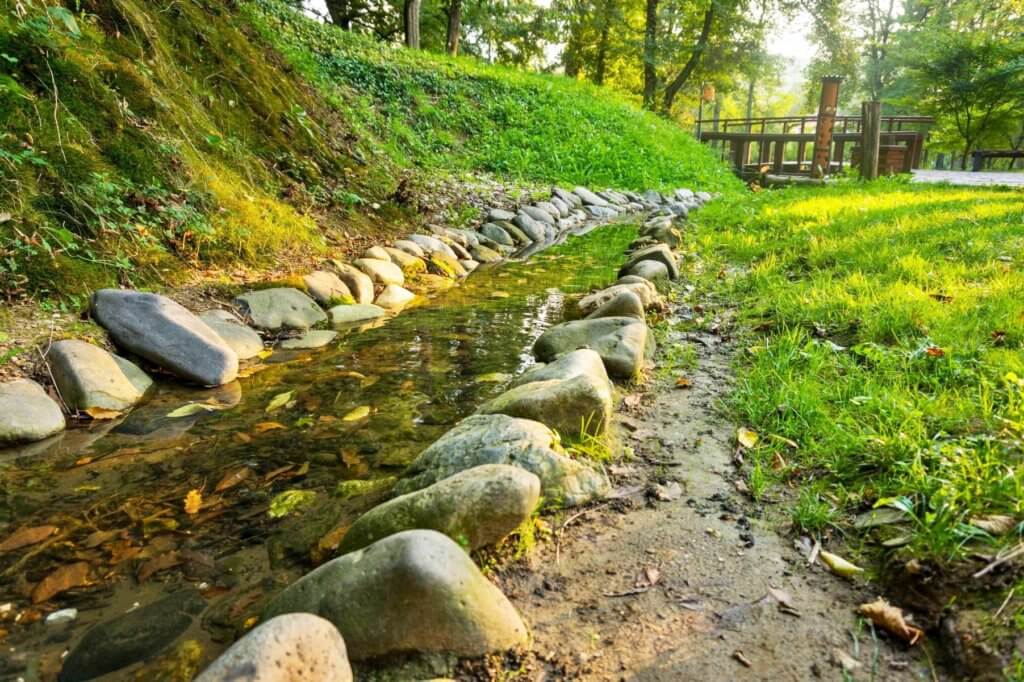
[153,504]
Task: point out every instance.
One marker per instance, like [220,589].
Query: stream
[234,497]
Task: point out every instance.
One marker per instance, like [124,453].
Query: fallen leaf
[193,502]
[232,478]
[669,492]
[288,501]
[652,575]
[492,378]
[844,660]
[243,437]
[782,596]
[353,375]
[683,382]
[99,413]
[889,618]
[268,426]
[64,578]
[358,413]
[632,400]
[193,408]
[935,351]
[996,524]
[746,437]
[351,458]
[279,401]
[839,565]
[157,564]
[99,537]
[271,475]
[27,536]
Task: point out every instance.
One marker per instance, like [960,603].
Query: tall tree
[411,23]
[650,53]
[454,26]
[698,51]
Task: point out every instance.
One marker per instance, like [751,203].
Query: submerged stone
[318,338]
[485,255]
[348,314]
[27,413]
[280,308]
[415,591]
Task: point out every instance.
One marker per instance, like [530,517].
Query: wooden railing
[782,145]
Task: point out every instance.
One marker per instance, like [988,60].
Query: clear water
[117,490]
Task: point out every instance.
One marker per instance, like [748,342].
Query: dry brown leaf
[27,536]
[277,472]
[889,618]
[64,578]
[193,502]
[632,400]
[652,575]
[268,426]
[99,537]
[157,564]
[935,351]
[232,478]
[99,413]
[683,382]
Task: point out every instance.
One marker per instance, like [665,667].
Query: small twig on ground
[1000,560]
[561,529]
[42,356]
[1003,605]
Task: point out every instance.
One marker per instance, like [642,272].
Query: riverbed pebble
[89,377]
[280,308]
[27,413]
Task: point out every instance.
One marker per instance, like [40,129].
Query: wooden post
[826,120]
[870,139]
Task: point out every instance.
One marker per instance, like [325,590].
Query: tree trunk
[750,102]
[454,26]
[411,21]
[650,54]
[680,80]
[340,13]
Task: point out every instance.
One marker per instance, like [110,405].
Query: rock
[531,228]
[381,271]
[563,208]
[651,270]
[27,413]
[246,343]
[613,197]
[359,312]
[496,214]
[684,194]
[622,342]
[411,265]
[411,248]
[579,362]
[497,233]
[652,197]
[485,255]
[358,282]
[282,308]
[469,237]
[428,283]
[326,287]
[589,198]
[394,296]
[568,197]
[296,647]
[513,231]
[500,439]
[551,209]
[377,253]
[704,197]
[310,340]
[87,376]
[582,404]
[664,234]
[643,289]
[415,591]
[633,279]
[449,236]
[165,333]
[600,211]
[476,508]
[132,637]
[457,249]
[538,214]
[678,208]
[448,266]
[658,252]
[469,265]
[623,304]
[432,244]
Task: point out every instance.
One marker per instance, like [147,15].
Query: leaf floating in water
[746,437]
[353,375]
[268,426]
[361,412]
[158,563]
[839,565]
[289,501]
[499,294]
[369,381]
[27,536]
[351,458]
[889,618]
[193,502]
[492,378]
[61,580]
[194,408]
[99,413]
[279,401]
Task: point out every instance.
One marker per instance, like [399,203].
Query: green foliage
[895,347]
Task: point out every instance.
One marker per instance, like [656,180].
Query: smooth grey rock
[572,407]
[569,366]
[589,198]
[460,251]
[246,343]
[497,233]
[411,248]
[295,647]
[665,234]
[469,265]
[651,270]
[409,263]
[622,304]
[600,211]
[358,282]
[448,235]
[500,439]
[568,197]
[445,265]
[643,289]
[533,229]
[678,208]
[653,197]
[415,591]
[470,238]
[359,312]
[381,271]
[165,333]
[431,244]
[376,252]
[550,208]
[394,296]
[27,413]
[476,508]
[622,342]
[132,637]
[659,252]
[326,287]
[485,255]
[280,308]
[496,214]
[88,376]
[538,214]
[684,194]
[318,338]
[563,208]
[704,197]
[613,197]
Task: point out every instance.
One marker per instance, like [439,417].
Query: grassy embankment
[144,140]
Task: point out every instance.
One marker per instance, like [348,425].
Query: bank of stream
[172,497]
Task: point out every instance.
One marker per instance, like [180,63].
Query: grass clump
[894,348]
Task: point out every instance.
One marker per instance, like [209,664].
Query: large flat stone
[27,413]
[411,248]
[642,288]
[90,377]
[415,591]
[165,333]
[246,343]
[496,214]
[660,253]
[311,340]
[623,343]
[409,263]
[380,271]
[538,214]
[497,233]
[533,229]
[326,288]
[359,312]
[431,244]
[622,304]
[280,308]
[568,197]
[653,271]
[572,407]
[476,508]
[394,296]
[500,439]
[589,198]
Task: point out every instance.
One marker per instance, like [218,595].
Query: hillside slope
[143,140]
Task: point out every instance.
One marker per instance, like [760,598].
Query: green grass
[891,352]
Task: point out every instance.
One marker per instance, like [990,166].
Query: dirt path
[712,558]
